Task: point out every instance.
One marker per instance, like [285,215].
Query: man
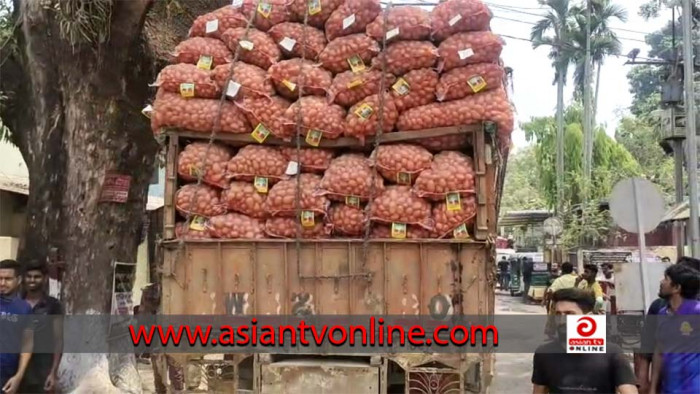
[555,371]
[503,266]
[676,362]
[607,283]
[528,267]
[41,373]
[587,281]
[15,328]
[567,280]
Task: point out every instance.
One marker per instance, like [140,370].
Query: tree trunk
[595,97]
[561,78]
[74,112]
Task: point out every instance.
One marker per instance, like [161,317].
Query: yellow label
[198,223]
[355,83]
[308,219]
[454,202]
[477,83]
[264,9]
[205,62]
[313,137]
[461,232]
[356,63]
[398,230]
[401,87]
[187,89]
[289,84]
[403,178]
[260,133]
[314,7]
[364,111]
[261,184]
[193,171]
[352,201]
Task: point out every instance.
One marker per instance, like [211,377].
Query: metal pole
[560,142]
[587,132]
[691,138]
[639,213]
[678,155]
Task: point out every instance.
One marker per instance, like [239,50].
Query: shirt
[595,287]
[680,372]
[40,363]
[11,330]
[565,281]
[580,373]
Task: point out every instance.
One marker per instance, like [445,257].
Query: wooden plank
[358,242]
[170,187]
[481,232]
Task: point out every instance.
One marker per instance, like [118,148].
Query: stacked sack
[328,78]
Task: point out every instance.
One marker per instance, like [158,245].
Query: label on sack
[308,218]
[477,83]
[398,230]
[314,7]
[356,63]
[364,111]
[403,178]
[198,223]
[194,171]
[147,111]
[461,232]
[232,89]
[355,83]
[465,53]
[349,21]
[392,33]
[454,202]
[401,87]
[289,84]
[260,133]
[313,137]
[352,201]
[247,45]
[288,43]
[292,168]
[454,20]
[264,9]
[211,26]
[260,184]
[187,89]
[205,62]
[236,3]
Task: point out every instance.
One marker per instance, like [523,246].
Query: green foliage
[84,21]
[521,190]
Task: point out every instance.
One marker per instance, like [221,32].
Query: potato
[253,80]
[171,78]
[402,163]
[471,79]
[450,172]
[316,115]
[351,17]
[416,89]
[403,23]
[319,17]
[289,75]
[294,42]
[347,220]
[348,87]
[350,175]
[404,56]
[258,161]
[312,160]
[268,111]
[397,204]
[363,118]
[469,48]
[226,18]
[287,228]
[267,12]
[190,50]
[236,226]
[447,220]
[195,114]
[183,231]
[199,159]
[335,57]
[201,200]
[282,198]
[383,231]
[242,197]
[253,46]
[455,16]
[445,142]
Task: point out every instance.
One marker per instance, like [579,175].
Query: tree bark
[561,78]
[595,97]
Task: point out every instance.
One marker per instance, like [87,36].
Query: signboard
[115,188]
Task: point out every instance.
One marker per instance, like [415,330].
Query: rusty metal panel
[402,273]
[238,263]
[314,376]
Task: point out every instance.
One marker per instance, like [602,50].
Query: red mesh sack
[357,48]
[469,48]
[455,16]
[194,114]
[213,24]
[257,48]
[267,12]
[451,172]
[183,231]
[285,75]
[267,113]
[191,50]
[415,88]
[351,17]
[350,175]
[171,79]
[398,204]
[235,226]
[404,56]
[243,198]
[316,115]
[282,198]
[200,200]
[472,79]
[459,213]
[347,220]
[289,36]
[311,159]
[319,11]
[348,87]
[403,23]
[445,142]
[402,163]
[201,159]
[383,231]
[287,228]
[256,161]
[363,117]
[252,80]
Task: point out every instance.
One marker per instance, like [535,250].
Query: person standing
[567,280]
[16,328]
[528,267]
[503,266]
[43,367]
[587,281]
[607,284]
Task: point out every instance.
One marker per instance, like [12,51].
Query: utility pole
[587,132]
[691,138]
[560,142]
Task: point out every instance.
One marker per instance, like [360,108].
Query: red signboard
[115,188]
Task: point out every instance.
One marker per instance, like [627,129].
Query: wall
[12,214]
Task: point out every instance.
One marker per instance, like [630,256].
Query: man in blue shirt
[13,328]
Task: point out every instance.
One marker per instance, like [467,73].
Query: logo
[585,334]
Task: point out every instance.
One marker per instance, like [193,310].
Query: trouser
[505,279]
[174,372]
[527,289]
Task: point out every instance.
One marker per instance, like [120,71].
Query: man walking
[41,373]
[528,267]
[503,278]
[587,281]
[15,328]
[567,280]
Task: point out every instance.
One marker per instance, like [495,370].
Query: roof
[519,218]
[680,211]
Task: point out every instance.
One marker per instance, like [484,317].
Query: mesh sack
[351,17]
[286,77]
[448,218]
[358,49]
[363,117]
[451,172]
[267,12]
[404,56]
[282,198]
[402,163]
[455,16]
[318,11]
[445,142]
[350,175]
[257,48]
[398,204]
[257,161]
[199,200]
[289,37]
[311,159]
[415,88]
[194,114]
[236,226]
[348,87]
[346,219]
[213,24]
[469,48]
[403,23]
[316,115]
[252,80]
[171,79]
[471,79]
[383,231]
[287,228]
[242,197]
[199,159]
[192,49]
[267,113]
[183,231]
